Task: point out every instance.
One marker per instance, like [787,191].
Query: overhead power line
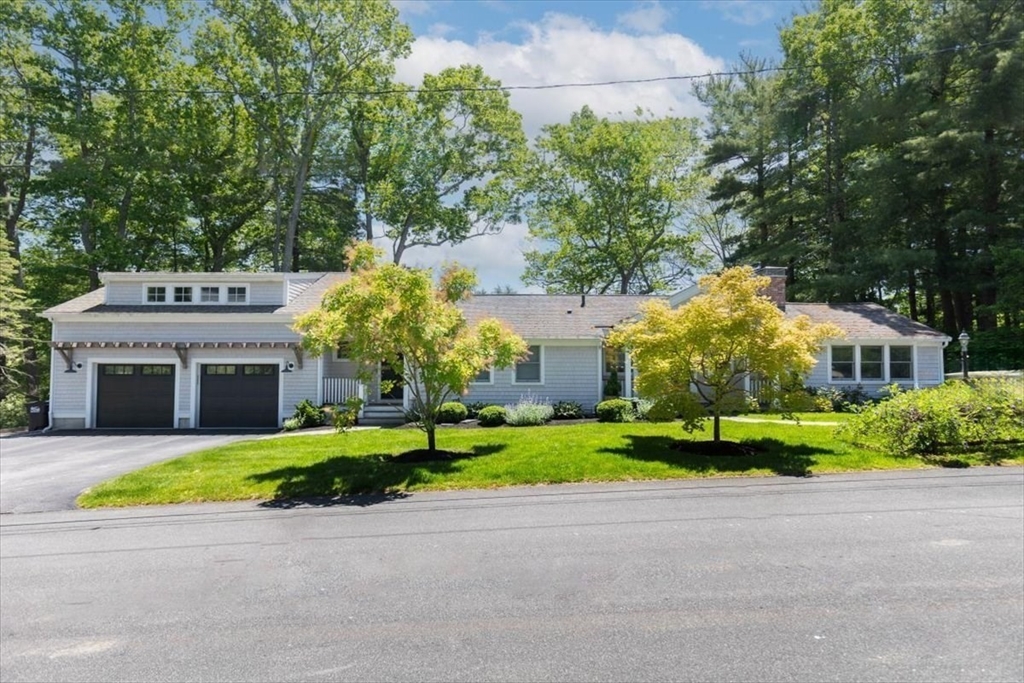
[514,88]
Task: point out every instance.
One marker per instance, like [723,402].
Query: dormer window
[209,295]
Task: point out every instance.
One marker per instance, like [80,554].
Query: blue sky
[723,28]
[530,42]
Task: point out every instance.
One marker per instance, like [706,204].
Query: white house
[216,350]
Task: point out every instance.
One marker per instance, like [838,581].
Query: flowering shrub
[528,412]
[954,416]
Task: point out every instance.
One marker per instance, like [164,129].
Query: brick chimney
[777,288]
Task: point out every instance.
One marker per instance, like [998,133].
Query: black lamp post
[964,340]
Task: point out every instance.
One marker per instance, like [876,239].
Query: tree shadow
[784,459]
[359,481]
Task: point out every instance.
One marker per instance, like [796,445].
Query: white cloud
[559,49]
[565,49]
[440,29]
[648,17]
[745,12]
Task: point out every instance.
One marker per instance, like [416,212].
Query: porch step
[382,415]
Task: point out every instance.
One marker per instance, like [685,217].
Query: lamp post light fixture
[964,340]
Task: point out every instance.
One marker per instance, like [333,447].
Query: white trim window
[530,370]
[871,363]
[238,294]
[183,295]
[170,293]
[485,376]
[901,363]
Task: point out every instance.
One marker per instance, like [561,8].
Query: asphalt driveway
[46,472]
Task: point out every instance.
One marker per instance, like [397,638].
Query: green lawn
[357,462]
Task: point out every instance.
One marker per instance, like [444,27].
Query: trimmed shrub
[612,386]
[615,410]
[955,416]
[491,416]
[291,424]
[567,410]
[529,412]
[308,415]
[452,412]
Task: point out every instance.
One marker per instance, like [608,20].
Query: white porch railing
[337,389]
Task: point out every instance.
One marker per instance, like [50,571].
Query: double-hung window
[156,295]
[529,371]
[237,295]
[483,377]
[871,363]
[901,362]
[182,295]
[209,295]
[842,363]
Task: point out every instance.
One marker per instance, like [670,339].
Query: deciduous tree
[701,351]
[609,198]
[396,315]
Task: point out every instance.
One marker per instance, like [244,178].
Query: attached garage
[135,396]
[239,396]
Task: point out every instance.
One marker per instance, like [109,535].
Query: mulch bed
[423,455]
[730,448]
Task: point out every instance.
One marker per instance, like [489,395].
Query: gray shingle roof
[541,316]
[310,297]
[82,304]
[555,316]
[865,321]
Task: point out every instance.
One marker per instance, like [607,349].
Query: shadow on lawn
[781,458]
[360,481]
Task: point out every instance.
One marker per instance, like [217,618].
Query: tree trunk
[291,231]
[718,426]
[912,295]
[431,438]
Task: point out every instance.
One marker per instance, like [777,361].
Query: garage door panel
[131,396]
[238,395]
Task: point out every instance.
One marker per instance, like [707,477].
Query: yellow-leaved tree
[397,315]
[691,361]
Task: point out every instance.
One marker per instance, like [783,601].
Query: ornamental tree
[397,315]
[692,360]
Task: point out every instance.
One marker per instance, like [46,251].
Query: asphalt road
[46,472]
[910,576]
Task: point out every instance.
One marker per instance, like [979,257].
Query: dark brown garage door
[238,396]
[135,396]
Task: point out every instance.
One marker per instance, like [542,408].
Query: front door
[395,392]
